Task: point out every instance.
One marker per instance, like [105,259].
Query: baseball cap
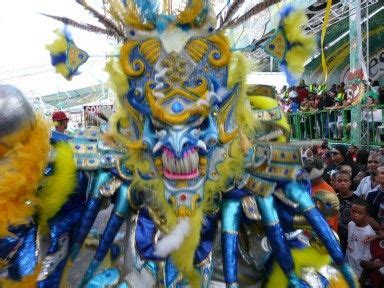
[59,116]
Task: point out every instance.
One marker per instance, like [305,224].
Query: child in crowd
[358,249]
[342,185]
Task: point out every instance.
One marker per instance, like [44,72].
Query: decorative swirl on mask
[128,144]
[225,137]
[123,139]
[225,111]
[151,50]
[137,67]
[201,89]
[136,100]
[219,57]
[159,113]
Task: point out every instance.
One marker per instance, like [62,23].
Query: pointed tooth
[194,161]
[157,147]
[176,169]
[165,162]
[201,145]
[168,161]
[197,160]
[191,160]
[187,165]
[179,165]
[172,167]
[182,168]
[164,158]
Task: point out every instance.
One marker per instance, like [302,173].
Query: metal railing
[335,125]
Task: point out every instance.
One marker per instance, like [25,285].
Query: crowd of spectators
[323,113]
[356,177]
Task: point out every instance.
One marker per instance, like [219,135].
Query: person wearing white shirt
[368,183]
[359,230]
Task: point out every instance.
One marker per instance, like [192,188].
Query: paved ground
[76,273]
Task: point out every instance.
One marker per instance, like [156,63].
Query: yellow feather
[238,69]
[62,69]
[57,188]
[116,9]
[189,14]
[117,79]
[21,136]
[184,256]
[21,172]
[298,55]
[59,45]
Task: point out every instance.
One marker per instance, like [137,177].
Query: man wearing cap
[339,158]
[60,121]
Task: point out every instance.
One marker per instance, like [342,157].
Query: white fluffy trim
[173,240]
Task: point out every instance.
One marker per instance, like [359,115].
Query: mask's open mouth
[184,168]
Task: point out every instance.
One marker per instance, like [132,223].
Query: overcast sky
[25,62]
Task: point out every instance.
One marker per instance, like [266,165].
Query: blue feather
[67,34]
[286,11]
[162,22]
[58,58]
[292,81]
[148,9]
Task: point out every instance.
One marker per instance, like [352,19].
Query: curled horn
[194,14]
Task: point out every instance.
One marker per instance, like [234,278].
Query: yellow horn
[191,12]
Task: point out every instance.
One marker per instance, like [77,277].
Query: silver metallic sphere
[15,111]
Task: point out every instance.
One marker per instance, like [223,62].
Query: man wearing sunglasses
[339,158]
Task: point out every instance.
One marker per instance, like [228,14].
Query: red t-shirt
[302,94]
[376,279]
